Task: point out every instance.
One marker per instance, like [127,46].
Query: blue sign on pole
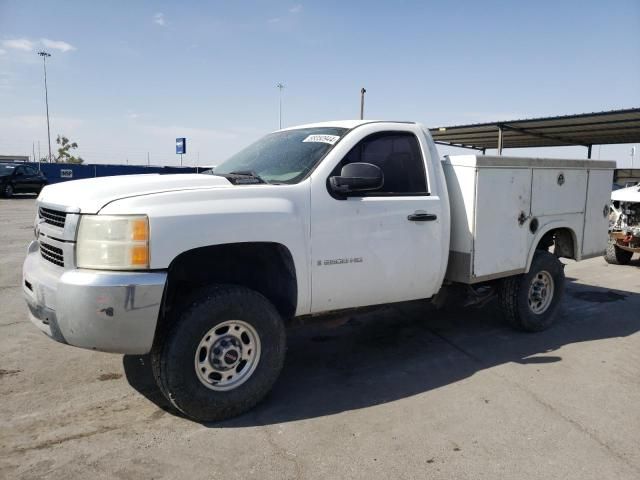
[181,146]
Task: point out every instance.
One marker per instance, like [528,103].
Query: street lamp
[44,56]
[280,86]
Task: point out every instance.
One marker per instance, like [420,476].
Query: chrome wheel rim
[227,355]
[541,292]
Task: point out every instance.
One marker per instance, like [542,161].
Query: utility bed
[502,206]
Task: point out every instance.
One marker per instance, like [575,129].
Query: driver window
[398,156]
[19,172]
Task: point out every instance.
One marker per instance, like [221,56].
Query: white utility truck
[205,271]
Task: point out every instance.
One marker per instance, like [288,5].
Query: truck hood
[90,195]
[629,194]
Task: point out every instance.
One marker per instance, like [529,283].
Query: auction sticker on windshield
[330,139]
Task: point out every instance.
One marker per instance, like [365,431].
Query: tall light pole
[44,56]
[280,86]
[362,92]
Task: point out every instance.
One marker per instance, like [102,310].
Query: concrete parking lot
[405,392]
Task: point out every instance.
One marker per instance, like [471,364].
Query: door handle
[422,217]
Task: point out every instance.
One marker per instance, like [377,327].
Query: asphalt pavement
[403,392]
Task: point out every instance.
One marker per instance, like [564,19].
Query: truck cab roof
[342,124]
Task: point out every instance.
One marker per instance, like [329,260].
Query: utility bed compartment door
[556,191]
[596,220]
[503,195]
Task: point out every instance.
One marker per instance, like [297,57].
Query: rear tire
[529,302]
[199,367]
[617,256]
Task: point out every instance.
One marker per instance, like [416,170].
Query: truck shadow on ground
[405,350]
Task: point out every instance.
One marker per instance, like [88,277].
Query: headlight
[113,242]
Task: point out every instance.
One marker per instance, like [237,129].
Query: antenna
[280,86]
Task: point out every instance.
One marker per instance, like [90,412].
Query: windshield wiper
[249,174]
[242,177]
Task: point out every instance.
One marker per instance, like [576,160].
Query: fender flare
[552,225]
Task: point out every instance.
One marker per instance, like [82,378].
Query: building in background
[13,158]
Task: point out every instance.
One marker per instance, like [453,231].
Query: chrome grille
[53,217]
[52,254]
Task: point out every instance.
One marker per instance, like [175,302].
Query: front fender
[186,220]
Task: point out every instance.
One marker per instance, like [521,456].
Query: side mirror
[357,177]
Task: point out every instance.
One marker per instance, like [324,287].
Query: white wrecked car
[624,226]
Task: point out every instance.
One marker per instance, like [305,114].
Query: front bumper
[99,310]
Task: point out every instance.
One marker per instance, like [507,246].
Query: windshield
[283,157]
[6,169]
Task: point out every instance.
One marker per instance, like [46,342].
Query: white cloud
[57,45]
[158,19]
[19,44]
[30,122]
[287,18]
[26,45]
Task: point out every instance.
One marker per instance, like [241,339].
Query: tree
[64,149]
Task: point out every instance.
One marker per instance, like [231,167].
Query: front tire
[222,355]
[617,256]
[530,301]
[7,191]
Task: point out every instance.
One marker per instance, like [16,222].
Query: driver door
[366,249]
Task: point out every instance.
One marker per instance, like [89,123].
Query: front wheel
[223,354]
[7,191]
[530,301]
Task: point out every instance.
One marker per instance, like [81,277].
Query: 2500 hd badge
[340,261]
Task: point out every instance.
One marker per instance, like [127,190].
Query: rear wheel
[223,354]
[617,256]
[530,301]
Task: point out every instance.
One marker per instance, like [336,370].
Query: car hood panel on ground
[90,195]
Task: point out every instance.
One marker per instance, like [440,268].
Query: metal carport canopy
[586,129]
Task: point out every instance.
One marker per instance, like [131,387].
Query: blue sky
[126,78]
